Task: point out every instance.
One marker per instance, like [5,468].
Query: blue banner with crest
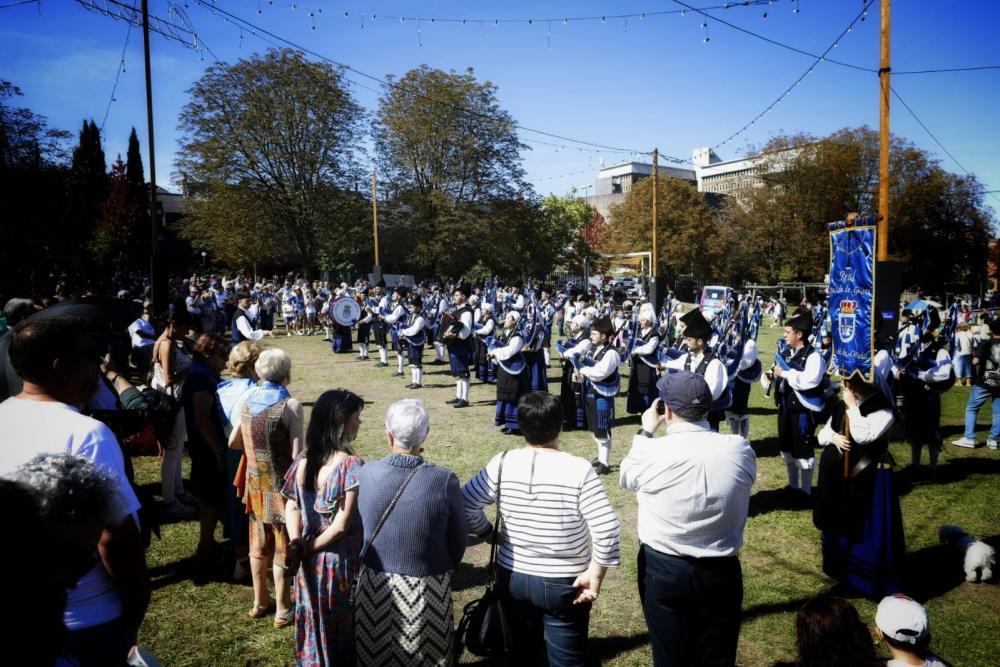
[852,295]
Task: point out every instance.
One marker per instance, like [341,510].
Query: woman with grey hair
[271,436]
[415,535]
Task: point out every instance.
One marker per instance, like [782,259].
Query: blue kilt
[600,413]
[459,355]
[415,354]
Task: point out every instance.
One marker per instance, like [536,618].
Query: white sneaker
[964,442]
[992,444]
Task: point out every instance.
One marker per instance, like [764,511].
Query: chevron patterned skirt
[403,620]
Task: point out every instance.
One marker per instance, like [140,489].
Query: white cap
[902,619]
[515,314]
[581,321]
[647,313]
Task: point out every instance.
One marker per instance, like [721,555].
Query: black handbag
[484,629]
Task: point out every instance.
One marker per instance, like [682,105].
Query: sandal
[258,611]
[284,620]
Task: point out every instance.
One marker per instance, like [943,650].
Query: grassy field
[196,621]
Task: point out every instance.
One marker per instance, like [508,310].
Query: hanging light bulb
[765,16]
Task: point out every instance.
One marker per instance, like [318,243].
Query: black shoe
[437,362]
[462,404]
[595,463]
[505,430]
[398,374]
[409,386]
[602,469]
[514,432]
[452,401]
[381,365]
[415,386]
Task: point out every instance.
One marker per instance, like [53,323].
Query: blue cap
[685,393]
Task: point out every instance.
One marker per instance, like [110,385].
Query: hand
[850,400]
[776,372]
[589,586]
[651,418]
[841,442]
[270,334]
[293,557]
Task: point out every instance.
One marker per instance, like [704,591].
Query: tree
[26,140]
[279,135]
[685,226]
[116,240]
[939,225]
[571,233]
[452,158]
[88,186]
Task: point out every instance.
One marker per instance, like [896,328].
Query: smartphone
[660,407]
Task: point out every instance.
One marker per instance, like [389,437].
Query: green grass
[205,623]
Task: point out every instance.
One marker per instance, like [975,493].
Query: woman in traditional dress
[857,506]
[512,377]
[571,390]
[643,361]
[325,532]
[404,610]
[270,435]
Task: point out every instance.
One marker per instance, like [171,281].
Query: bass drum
[345,311]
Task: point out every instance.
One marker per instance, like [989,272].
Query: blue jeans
[541,613]
[977,399]
[963,366]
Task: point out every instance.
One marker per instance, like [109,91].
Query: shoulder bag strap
[492,567]
[388,510]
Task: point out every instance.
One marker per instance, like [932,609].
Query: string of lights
[121,69]
[788,91]
[947,152]
[244,23]
[183,34]
[22,2]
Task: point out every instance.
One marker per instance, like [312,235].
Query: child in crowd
[903,625]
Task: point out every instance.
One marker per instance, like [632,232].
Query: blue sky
[634,83]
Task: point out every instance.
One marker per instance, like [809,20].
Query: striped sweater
[555,511]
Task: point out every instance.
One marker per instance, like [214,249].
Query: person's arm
[807,378]
[868,429]
[606,366]
[940,371]
[513,346]
[717,378]
[605,534]
[466,329]
[458,530]
[477,493]
[165,354]
[243,326]
[415,328]
[346,507]
[295,421]
[635,461]
[203,403]
[646,348]
[487,328]
[123,556]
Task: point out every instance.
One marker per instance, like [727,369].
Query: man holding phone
[693,490]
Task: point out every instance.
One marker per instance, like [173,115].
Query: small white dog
[979,556]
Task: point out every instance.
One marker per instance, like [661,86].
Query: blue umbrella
[921,305]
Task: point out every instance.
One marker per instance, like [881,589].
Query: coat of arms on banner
[846,320]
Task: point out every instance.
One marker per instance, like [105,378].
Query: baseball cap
[685,393]
[902,619]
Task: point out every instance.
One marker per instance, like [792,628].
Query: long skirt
[485,366]
[341,342]
[536,366]
[510,389]
[404,620]
[871,561]
[641,387]
[571,395]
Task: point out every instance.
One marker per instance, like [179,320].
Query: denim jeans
[977,398]
[542,615]
[692,606]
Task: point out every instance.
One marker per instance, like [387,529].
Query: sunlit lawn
[205,623]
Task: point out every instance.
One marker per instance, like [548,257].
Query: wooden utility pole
[883,153]
[375,213]
[158,269]
[653,261]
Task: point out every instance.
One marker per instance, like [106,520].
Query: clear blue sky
[635,84]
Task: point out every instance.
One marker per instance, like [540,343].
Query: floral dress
[324,632]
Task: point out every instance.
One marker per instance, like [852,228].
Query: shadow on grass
[766,447]
[762,411]
[773,500]
[955,470]
[599,651]
[189,569]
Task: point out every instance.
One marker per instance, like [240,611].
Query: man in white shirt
[58,364]
[693,490]
[143,335]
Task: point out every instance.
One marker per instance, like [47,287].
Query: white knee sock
[418,375]
[399,360]
[547,353]
[383,356]
[364,349]
[745,426]
[793,473]
[604,451]
[439,349]
[807,481]
[463,389]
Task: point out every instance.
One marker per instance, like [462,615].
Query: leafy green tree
[285,133]
[452,158]
[564,236]
[685,226]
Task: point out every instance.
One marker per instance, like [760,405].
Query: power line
[906,106]
[22,2]
[114,88]
[788,91]
[395,86]
[942,70]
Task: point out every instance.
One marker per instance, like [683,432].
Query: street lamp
[203,255]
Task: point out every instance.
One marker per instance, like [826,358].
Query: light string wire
[121,68]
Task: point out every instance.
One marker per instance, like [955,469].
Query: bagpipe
[813,399]
[923,360]
[604,387]
[950,331]
[748,326]
[417,339]
[515,364]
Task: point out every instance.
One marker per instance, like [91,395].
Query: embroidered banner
[852,296]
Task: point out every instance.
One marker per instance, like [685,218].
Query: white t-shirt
[144,326]
[39,427]
[964,342]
